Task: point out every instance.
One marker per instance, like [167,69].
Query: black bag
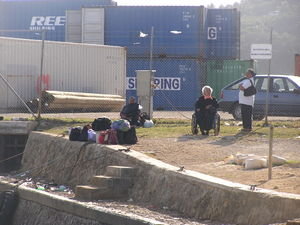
[129,137]
[75,134]
[250,90]
[101,124]
[84,134]
[143,117]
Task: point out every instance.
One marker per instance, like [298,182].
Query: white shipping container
[71,67]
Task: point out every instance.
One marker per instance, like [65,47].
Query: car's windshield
[235,86]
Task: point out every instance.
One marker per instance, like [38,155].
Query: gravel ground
[208,155]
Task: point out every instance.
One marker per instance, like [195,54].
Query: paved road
[156,114]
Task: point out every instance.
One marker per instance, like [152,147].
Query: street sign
[261,51]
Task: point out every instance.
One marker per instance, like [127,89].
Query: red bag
[108,137]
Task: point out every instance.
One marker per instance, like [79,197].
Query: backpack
[84,134]
[79,133]
[143,118]
[122,125]
[75,133]
[101,124]
[128,137]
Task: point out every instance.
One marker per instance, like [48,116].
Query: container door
[24,85]
[93,25]
[73,26]
[220,73]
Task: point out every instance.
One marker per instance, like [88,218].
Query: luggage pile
[104,131]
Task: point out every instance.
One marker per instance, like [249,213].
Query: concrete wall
[43,208]
[192,193]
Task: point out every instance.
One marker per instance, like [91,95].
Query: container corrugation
[297,65]
[219,73]
[178,81]
[38,15]
[177,29]
[222,31]
[67,67]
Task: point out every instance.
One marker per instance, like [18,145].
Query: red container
[297,65]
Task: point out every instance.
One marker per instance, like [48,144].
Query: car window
[261,84]
[291,86]
[283,85]
[278,85]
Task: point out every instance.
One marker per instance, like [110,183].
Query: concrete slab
[17,127]
[120,171]
[293,222]
[92,193]
[77,208]
[112,182]
[191,193]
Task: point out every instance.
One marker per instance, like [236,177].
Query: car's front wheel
[237,112]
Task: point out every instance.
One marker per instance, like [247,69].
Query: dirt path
[207,155]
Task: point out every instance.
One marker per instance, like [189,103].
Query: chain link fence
[56,79]
[89,79]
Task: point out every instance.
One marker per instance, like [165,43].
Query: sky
[217,3]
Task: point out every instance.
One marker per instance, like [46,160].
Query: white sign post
[264,51]
[261,51]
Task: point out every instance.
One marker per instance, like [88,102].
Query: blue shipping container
[38,15]
[177,29]
[222,32]
[178,81]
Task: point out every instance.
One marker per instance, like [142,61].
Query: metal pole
[151,47]
[270,152]
[268,86]
[41,75]
[18,96]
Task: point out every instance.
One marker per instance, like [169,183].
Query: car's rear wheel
[237,112]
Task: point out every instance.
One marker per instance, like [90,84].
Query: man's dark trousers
[247,116]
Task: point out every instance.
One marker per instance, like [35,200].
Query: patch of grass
[177,127]
[281,124]
[293,162]
[164,131]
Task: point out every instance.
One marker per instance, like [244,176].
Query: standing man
[247,102]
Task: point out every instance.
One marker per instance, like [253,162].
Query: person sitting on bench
[131,112]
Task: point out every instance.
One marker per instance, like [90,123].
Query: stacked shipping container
[185,39]
[183,45]
[36,15]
